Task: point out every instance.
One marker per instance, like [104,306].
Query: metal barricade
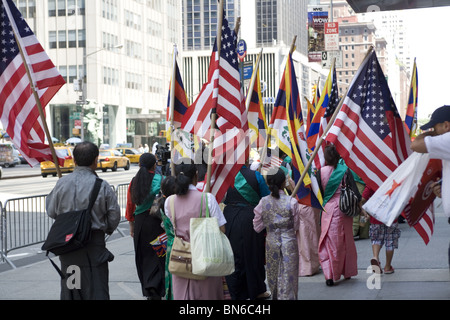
[24,221]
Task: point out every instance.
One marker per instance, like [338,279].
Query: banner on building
[317,18]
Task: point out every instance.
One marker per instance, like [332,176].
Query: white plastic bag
[391,198]
[211,250]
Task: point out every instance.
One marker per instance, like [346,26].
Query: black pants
[247,281]
[86,271]
[150,267]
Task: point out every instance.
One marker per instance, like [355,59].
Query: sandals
[390,271]
[264,296]
[376,266]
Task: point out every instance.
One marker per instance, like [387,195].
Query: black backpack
[350,196]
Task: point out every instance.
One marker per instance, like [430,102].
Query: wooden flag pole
[322,138]
[39,106]
[266,143]
[213,111]
[172,110]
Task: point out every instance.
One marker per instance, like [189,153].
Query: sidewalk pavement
[421,273]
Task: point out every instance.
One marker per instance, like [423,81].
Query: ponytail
[185,174]
[276,183]
[142,181]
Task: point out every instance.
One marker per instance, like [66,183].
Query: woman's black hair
[276,183]
[331,155]
[168,186]
[185,173]
[142,181]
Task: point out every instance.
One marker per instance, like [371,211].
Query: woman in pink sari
[337,250]
[188,202]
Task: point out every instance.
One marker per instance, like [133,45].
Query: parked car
[112,159]
[48,167]
[7,156]
[131,154]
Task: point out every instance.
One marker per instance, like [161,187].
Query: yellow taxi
[112,159]
[48,167]
[130,153]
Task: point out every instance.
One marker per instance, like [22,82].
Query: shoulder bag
[72,230]
[180,260]
[349,201]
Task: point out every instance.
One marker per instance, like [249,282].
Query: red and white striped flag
[18,109]
[368,132]
[223,93]
[231,140]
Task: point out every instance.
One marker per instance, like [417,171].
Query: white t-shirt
[439,148]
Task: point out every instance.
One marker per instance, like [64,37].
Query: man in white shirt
[436,142]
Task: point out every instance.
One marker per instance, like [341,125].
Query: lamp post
[84,85]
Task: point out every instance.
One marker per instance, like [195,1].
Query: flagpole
[213,110]
[172,110]
[322,138]
[39,106]
[266,142]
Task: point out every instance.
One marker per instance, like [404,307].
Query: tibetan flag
[278,126]
[329,100]
[411,111]
[328,111]
[182,140]
[256,115]
[309,191]
[181,103]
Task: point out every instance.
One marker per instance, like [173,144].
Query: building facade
[268,24]
[116,57]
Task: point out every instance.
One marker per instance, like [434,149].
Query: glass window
[52,8]
[72,36]
[52,39]
[61,7]
[62,40]
[82,38]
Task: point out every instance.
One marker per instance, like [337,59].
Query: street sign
[331,36]
[241,49]
[328,56]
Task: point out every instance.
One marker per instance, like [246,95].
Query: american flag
[223,92]
[231,141]
[369,133]
[18,109]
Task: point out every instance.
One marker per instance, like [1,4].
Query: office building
[116,57]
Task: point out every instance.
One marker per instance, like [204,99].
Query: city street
[23,180]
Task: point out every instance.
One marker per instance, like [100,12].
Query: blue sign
[248,71]
[241,49]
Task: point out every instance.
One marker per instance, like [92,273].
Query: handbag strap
[207,206]
[94,194]
[172,210]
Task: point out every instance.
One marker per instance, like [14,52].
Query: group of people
[274,238]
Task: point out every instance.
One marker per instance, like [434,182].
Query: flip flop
[389,271]
[264,295]
[376,266]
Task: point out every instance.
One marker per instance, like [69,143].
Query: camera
[163,155]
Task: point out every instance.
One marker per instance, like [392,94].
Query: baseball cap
[440,115]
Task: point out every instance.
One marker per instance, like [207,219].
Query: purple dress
[280,217]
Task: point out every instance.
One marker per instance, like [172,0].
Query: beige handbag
[180,261]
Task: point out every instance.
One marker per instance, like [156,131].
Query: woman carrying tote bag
[187,202]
